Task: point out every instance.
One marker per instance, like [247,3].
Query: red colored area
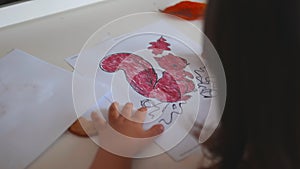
[166,89]
[143,82]
[187,10]
[171,87]
[175,65]
[159,46]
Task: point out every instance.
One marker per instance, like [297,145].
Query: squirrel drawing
[174,84]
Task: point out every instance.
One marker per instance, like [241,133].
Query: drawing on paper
[173,86]
[204,84]
[166,87]
[171,110]
[175,110]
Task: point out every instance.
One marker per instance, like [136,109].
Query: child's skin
[126,124]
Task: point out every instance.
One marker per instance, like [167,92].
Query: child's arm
[123,135]
[107,160]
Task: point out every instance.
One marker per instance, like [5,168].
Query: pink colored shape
[159,46]
[175,65]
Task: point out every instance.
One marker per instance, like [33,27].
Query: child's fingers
[140,115]
[97,121]
[113,112]
[127,110]
[154,131]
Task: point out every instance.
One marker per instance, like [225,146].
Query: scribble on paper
[167,110]
[204,84]
[174,111]
[150,105]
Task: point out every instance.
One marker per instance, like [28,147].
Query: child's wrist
[112,155]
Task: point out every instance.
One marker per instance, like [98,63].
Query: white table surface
[55,37]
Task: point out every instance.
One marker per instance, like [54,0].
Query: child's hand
[123,134]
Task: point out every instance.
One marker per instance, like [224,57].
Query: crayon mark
[150,104]
[174,107]
[204,83]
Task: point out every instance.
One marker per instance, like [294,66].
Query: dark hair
[258,43]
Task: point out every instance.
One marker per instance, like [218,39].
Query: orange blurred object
[187,10]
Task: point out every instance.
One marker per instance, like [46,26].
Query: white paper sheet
[135,42]
[36,107]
